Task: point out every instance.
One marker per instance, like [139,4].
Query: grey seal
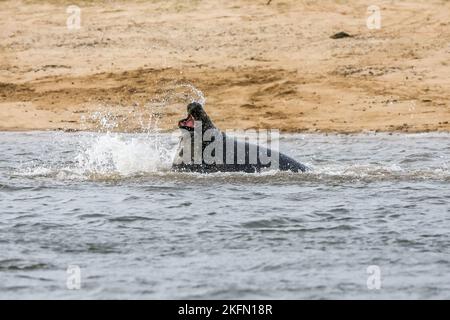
[214,151]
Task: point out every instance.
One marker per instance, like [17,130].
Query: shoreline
[152,131]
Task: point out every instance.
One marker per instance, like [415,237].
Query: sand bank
[258,65]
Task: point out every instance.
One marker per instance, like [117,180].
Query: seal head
[196,113]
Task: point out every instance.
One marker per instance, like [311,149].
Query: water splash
[113,153]
[124,155]
[105,156]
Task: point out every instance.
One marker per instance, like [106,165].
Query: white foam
[125,155]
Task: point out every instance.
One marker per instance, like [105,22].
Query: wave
[106,156]
[131,167]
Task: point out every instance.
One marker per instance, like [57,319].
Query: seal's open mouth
[187,123]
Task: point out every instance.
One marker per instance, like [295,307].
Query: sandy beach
[258,64]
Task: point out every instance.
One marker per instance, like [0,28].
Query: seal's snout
[194,112]
[187,123]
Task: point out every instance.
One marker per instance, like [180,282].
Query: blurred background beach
[260,64]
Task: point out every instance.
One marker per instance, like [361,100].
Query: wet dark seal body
[233,155]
